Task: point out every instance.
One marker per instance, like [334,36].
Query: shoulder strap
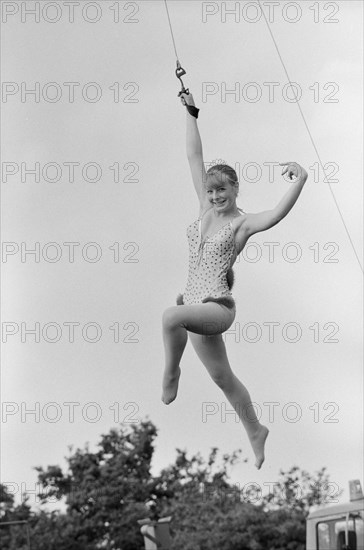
[203,213]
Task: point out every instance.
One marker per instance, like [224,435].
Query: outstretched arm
[264,220]
[194,152]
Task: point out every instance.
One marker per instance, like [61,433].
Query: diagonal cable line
[311,138]
[170,26]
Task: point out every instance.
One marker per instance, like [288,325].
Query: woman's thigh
[205,319]
[211,351]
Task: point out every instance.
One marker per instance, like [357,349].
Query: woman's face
[222,195]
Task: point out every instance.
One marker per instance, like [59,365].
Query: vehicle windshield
[331,534]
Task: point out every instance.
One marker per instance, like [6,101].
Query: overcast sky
[106,126]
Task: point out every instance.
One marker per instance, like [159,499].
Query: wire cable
[311,138]
[170,26]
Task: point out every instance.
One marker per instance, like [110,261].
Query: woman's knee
[223,378]
[170,317]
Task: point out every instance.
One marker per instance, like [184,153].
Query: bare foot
[258,441]
[170,386]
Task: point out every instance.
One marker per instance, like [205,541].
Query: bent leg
[204,319]
[212,352]
[208,318]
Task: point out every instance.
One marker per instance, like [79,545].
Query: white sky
[323,58]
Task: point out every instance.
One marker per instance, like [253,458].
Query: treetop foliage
[107,491]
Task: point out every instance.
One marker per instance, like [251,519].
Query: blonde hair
[222,173]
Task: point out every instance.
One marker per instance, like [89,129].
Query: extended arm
[264,220]
[195,153]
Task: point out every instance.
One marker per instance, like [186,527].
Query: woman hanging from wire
[207,309]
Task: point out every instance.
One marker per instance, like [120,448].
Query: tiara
[216,162]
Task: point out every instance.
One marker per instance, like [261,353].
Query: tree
[298,490]
[13,537]
[108,490]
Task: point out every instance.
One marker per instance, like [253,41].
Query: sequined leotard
[210,276]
